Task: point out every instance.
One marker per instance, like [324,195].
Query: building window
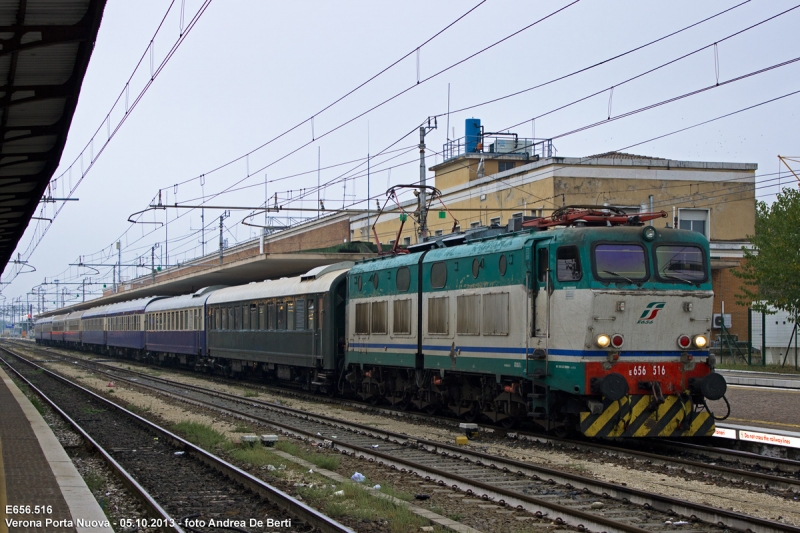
[474,224]
[437,233]
[694,220]
[457,229]
[406,241]
[502,166]
[517,215]
[494,221]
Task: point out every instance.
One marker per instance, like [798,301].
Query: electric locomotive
[584,321]
[590,321]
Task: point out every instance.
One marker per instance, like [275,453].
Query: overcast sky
[250,70]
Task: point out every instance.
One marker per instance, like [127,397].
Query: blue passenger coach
[125,325]
[175,327]
[93,329]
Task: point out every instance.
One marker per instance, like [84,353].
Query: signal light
[700,341]
[602,340]
[617,340]
[684,342]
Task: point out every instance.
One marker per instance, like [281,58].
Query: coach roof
[278,288]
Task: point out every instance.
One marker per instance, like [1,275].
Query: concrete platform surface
[761,379]
[36,471]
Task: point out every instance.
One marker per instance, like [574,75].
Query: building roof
[623,155]
[45,46]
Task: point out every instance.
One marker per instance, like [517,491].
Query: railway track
[180,484]
[561,497]
[770,473]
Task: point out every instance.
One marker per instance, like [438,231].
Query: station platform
[36,471]
[765,408]
[761,379]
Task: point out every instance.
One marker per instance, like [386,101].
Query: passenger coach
[292,328]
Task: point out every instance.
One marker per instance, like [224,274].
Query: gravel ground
[112,496]
[725,496]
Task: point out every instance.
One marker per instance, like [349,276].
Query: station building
[488,179]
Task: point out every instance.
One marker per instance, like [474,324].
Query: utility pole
[222,217]
[423,196]
[153,261]
[119,262]
[56,282]
[203,231]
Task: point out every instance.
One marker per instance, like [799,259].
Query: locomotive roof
[180,302]
[277,288]
[121,308]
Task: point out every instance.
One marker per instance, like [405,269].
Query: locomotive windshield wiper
[676,277]
[619,276]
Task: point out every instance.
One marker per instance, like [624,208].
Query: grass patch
[777,369]
[37,403]
[250,393]
[322,460]
[254,455]
[200,434]
[91,410]
[358,503]
[399,494]
[136,409]
[94,481]
[242,428]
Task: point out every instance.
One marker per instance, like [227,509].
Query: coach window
[401,317]
[262,317]
[253,316]
[438,275]
[568,264]
[245,317]
[290,314]
[403,279]
[300,314]
[321,319]
[310,311]
[281,307]
[271,316]
[502,265]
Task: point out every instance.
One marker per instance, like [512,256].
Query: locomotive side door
[541,273]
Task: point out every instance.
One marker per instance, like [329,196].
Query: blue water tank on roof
[472,134]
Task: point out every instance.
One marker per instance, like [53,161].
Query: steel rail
[265,490]
[539,507]
[759,478]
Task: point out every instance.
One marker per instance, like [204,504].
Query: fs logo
[651,312]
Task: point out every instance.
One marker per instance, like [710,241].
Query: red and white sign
[725,433]
[767,438]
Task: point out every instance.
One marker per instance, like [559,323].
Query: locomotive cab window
[568,264]
[622,263]
[680,264]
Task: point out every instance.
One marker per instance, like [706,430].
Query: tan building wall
[724,189]
[725,286]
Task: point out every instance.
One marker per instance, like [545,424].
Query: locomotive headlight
[649,233]
[602,340]
[700,341]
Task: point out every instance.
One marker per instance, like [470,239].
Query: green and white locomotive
[587,320]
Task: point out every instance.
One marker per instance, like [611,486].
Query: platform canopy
[45,46]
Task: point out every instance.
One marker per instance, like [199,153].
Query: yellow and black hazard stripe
[642,416]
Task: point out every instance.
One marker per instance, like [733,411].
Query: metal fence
[773,339]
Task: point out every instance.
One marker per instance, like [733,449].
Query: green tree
[771,271]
